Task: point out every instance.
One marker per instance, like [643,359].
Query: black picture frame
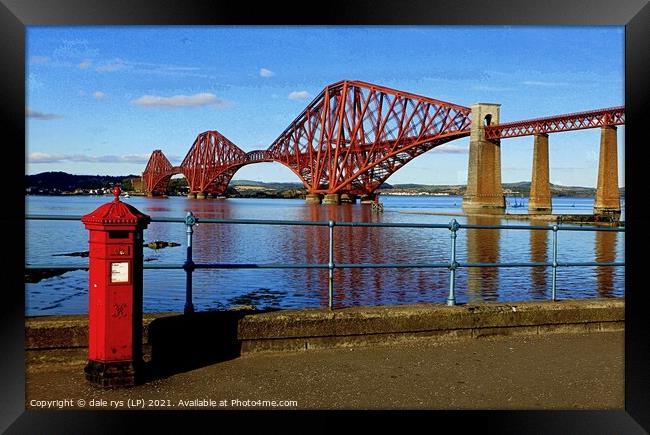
[15,15]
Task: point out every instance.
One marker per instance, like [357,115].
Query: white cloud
[44,158]
[299,95]
[114,65]
[75,48]
[151,68]
[38,157]
[178,68]
[39,60]
[450,149]
[488,88]
[98,95]
[201,99]
[35,114]
[85,64]
[266,72]
[544,84]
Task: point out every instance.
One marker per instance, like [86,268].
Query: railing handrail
[199,220]
[190,266]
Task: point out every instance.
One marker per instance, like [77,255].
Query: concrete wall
[320,328]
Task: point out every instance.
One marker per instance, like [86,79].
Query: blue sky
[100,99]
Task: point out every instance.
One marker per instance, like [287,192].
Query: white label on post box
[120,272]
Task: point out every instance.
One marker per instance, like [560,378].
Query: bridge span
[354,135]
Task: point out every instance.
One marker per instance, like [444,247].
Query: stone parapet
[318,328]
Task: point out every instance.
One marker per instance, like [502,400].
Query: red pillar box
[115,293]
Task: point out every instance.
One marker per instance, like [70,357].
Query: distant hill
[519,188]
[65,182]
[272,185]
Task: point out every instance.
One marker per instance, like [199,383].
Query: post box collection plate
[120,272]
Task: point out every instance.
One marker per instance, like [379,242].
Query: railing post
[453,265]
[190,220]
[554,279]
[330,265]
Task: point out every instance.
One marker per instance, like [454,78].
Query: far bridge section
[354,135]
[208,166]
[347,141]
[484,192]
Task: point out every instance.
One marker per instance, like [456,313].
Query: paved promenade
[550,371]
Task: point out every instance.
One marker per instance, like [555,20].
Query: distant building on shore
[138,184]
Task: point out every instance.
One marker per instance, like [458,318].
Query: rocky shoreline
[33,276]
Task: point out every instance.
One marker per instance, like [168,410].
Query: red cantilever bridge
[351,138]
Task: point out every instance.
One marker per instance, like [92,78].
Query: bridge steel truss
[158,172]
[208,166]
[351,138]
[354,135]
[556,124]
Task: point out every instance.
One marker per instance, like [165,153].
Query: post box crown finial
[116,212]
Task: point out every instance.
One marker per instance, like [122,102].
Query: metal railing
[190,266]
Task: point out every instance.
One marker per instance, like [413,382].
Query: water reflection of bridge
[227,243]
[483,246]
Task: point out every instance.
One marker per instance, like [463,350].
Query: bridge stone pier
[607,195]
[332,199]
[539,201]
[368,199]
[484,191]
[313,198]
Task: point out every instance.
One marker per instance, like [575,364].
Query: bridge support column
[484,191]
[200,195]
[368,199]
[332,199]
[313,198]
[539,201]
[607,195]
[348,198]
[191,195]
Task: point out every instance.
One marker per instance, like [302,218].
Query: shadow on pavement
[187,342]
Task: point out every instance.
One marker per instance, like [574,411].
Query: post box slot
[118,234]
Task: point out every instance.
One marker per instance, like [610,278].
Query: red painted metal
[209,160]
[115,291]
[257,156]
[354,135]
[208,166]
[559,123]
[351,138]
[158,172]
